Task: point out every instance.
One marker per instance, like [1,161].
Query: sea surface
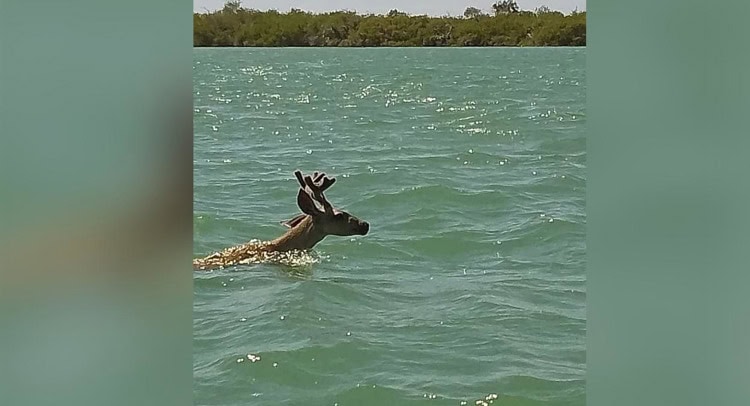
[469,164]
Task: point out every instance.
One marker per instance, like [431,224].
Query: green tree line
[236,26]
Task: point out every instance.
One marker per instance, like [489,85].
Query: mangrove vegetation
[506,25]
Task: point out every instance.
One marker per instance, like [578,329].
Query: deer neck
[302,237]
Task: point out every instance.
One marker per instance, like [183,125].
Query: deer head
[324,216]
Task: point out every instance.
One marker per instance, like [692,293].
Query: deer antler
[315,186]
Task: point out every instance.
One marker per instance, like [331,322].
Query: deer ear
[293,222]
[307,204]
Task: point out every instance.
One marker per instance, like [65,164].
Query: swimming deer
[319,219]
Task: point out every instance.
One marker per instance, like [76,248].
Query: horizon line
[205,10]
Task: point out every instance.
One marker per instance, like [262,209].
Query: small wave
[294,258]
[416,194]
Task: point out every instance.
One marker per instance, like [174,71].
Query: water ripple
[469,164]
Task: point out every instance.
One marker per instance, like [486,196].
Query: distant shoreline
[386,46]
[235,26]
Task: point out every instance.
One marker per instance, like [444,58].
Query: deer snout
[364,227]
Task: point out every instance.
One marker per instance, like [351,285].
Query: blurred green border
[667,234]
[96,202]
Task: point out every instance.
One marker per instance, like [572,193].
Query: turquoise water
[469,165]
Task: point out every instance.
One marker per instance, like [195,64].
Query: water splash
[254,252]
